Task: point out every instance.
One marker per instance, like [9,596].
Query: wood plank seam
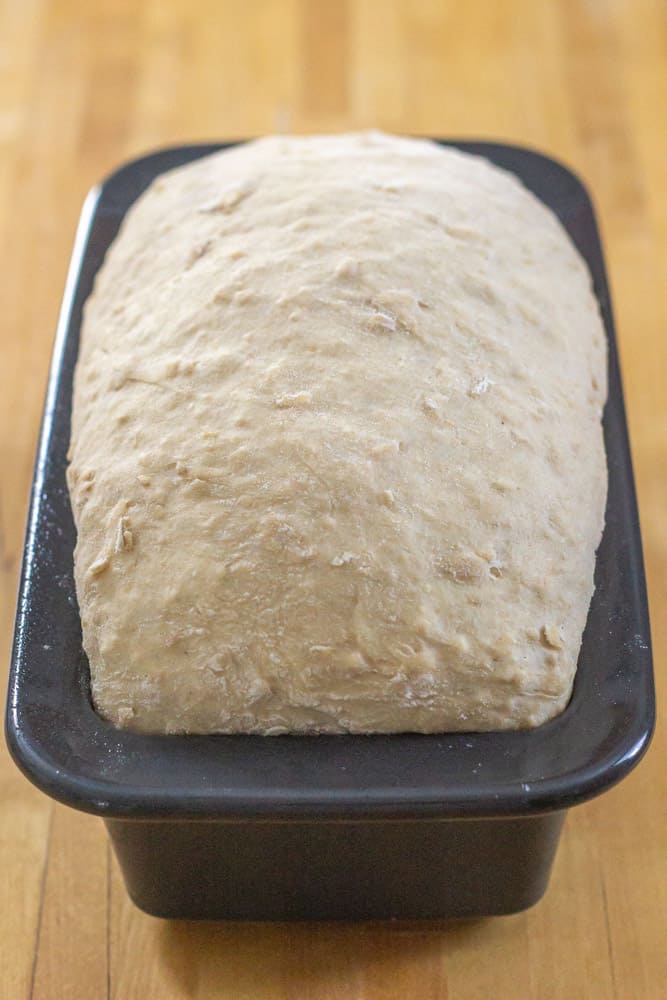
[40,907]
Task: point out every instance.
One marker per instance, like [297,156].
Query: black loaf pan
[323,827]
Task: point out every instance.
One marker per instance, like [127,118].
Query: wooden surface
[85,85]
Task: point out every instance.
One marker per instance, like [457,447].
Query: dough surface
[336,460]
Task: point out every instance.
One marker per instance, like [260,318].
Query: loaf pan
[322,827]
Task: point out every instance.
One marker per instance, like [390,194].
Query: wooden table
[85,85]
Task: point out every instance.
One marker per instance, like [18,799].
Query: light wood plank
[72,941]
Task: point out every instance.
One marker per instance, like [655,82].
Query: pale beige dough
[337,461]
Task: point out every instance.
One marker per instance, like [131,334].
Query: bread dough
[336,459]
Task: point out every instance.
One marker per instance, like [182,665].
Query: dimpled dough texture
[336,460]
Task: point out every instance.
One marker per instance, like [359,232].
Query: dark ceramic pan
[461,824]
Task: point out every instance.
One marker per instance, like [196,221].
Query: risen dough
[337,461]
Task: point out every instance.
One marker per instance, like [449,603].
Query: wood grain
[84,86]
